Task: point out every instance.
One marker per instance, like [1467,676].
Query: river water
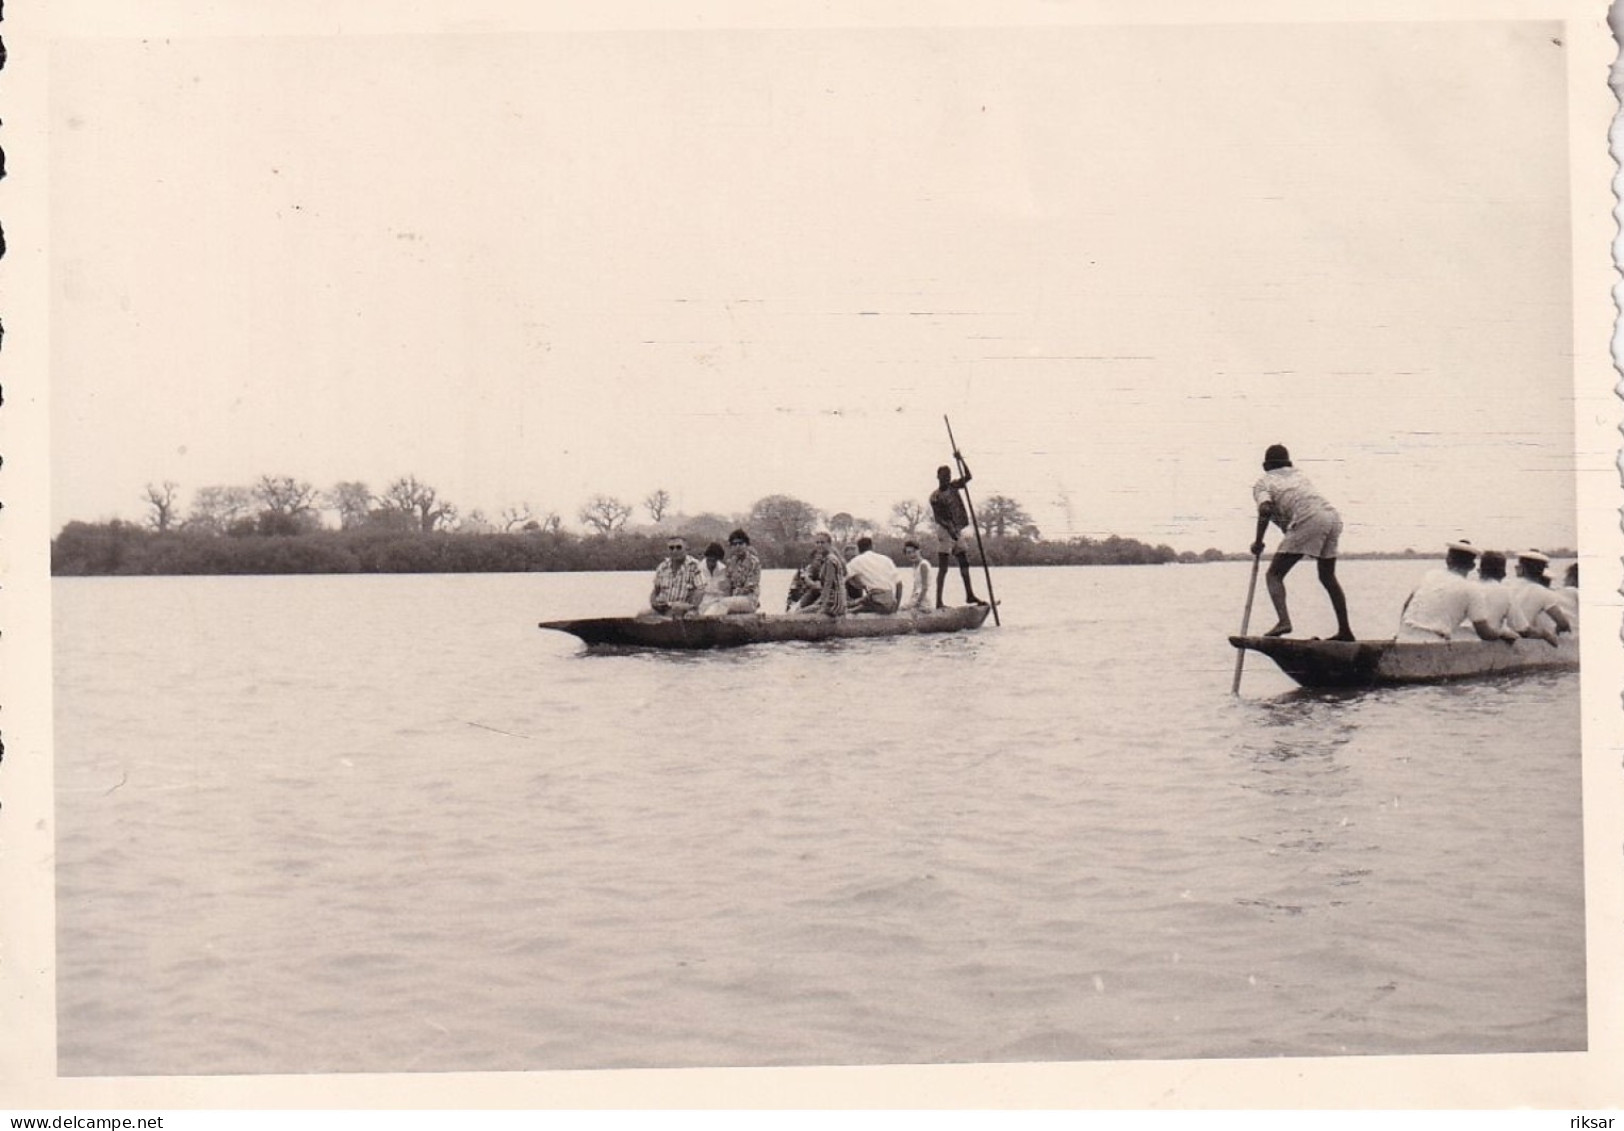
[339,824]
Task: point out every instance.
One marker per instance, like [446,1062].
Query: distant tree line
[284,525]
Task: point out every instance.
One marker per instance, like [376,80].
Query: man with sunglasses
[679,582]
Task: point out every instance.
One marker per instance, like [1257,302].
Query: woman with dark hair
[742,570]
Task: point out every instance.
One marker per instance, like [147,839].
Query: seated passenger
[830,570]
[1494,606]
[677,582]
[1531,592]
[1444,599]
[1569,595]
[743,578]
[872,579]
[713,572]
[919,598]
[806,586]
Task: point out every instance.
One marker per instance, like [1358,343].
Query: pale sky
[532,268]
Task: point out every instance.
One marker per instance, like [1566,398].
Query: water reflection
[1299,725]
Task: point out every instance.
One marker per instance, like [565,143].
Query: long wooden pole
[1246,620]
[980,549]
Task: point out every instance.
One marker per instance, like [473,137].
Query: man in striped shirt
[830,570]
[678,582]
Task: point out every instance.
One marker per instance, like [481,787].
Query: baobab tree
[285,495]
[216,508]
[162,501]
[420,501]
[657,503]
[517,518]
[604,514]
[907,515]
[783,518]
[352,501]
[1002,515]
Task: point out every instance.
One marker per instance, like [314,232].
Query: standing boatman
[950,516]
[1312,529]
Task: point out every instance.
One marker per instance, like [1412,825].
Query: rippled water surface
[325,824]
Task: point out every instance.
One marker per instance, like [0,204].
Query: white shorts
[1314,537]
[948,542]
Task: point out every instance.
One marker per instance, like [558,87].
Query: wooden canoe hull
[1371,663]
[761,628]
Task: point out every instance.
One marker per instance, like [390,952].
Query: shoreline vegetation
[280,526]
[119,548]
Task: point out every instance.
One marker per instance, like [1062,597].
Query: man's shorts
[947,542]
[1315,536]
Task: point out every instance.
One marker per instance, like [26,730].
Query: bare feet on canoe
[1346,637]
[1281,629]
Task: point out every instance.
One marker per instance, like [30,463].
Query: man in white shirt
[1494,605]
[1531,592]
[875,576]
[1445,599]
[1568,594]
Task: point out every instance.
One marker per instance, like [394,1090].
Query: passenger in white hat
[1496,607]
[1532,594]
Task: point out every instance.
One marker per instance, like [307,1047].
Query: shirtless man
[951,516]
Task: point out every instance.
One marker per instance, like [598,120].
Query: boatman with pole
[1312,528]
[948,512]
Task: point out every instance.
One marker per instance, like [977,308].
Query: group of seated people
[728,581]
[1452,599]
[860,579]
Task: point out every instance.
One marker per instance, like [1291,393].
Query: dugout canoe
[1374,663]
[762,628]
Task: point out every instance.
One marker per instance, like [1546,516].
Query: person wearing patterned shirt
[743,578]
[830,569]
[1312,528]
[678,582]
[804,590]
